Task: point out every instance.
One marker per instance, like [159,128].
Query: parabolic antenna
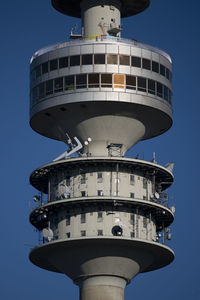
[47,234]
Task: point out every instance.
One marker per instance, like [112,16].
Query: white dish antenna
[47,234]
[170,166]
[157,196]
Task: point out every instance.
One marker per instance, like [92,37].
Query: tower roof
[72,7]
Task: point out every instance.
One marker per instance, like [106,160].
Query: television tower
[106,218]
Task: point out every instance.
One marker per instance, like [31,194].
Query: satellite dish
[36,198]
[170,166]
[157,196]
[47,234]
[172,209]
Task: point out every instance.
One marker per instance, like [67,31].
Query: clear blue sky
[27,26]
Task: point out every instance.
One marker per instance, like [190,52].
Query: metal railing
[100,38]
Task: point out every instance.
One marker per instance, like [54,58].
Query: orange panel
[119,81]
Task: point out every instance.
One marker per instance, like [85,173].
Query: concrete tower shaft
[102,218]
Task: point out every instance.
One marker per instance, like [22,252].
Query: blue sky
[27,26]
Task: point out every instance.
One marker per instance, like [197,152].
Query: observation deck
[128,83]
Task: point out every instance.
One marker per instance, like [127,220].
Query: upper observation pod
[127,7]
[111,90]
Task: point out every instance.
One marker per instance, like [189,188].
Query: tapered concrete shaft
[102,288]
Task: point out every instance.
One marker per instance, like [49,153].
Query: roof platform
[72,7]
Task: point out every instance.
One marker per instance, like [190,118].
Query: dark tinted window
[106,80]
[170,75]
[53,64]
[69,82]
[75,60]
[34,93]
[63,62]
[130,82]
[141,84]
[170,97]
[87,59]
[99,58]
[146,64]
[166,93]
[155,67]
[136,61]
[41,90]
[45,68]
[112,59]
[167,73]
[38,71]
[49,87]
[33,74]
[151,86]
[159,89]
[124,60]
[58,84]
[162,70]
[93,80]
[81,81]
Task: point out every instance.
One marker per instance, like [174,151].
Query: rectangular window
[63,62]
[124,60]
[58,84]
[162,70]
[167,73]
[41,90]
[69,82]
[99,193]
[119,81]
[81,81]
[132,219]
[166,97]
[87,59]
[83,218]
[144,222]
[68,220]
[151,86]
[155,67]
[132,234]
[93,80]
[83,233]
[68,234]
[49,87]
[45,68]
[38,71]
[112,59]
[132,179]
[83,194]
[144,198]
[35,93]
[159,89]
[99,232]
[170,97]
[99,216]
[132,195]
[75,60]
[136,61]
[142,84]
[106,80]
[130,82]
[53,64]
[146,64]
[99,59]
[83,178]
[144,183]
[99,177]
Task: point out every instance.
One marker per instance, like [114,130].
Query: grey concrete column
[102,288]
